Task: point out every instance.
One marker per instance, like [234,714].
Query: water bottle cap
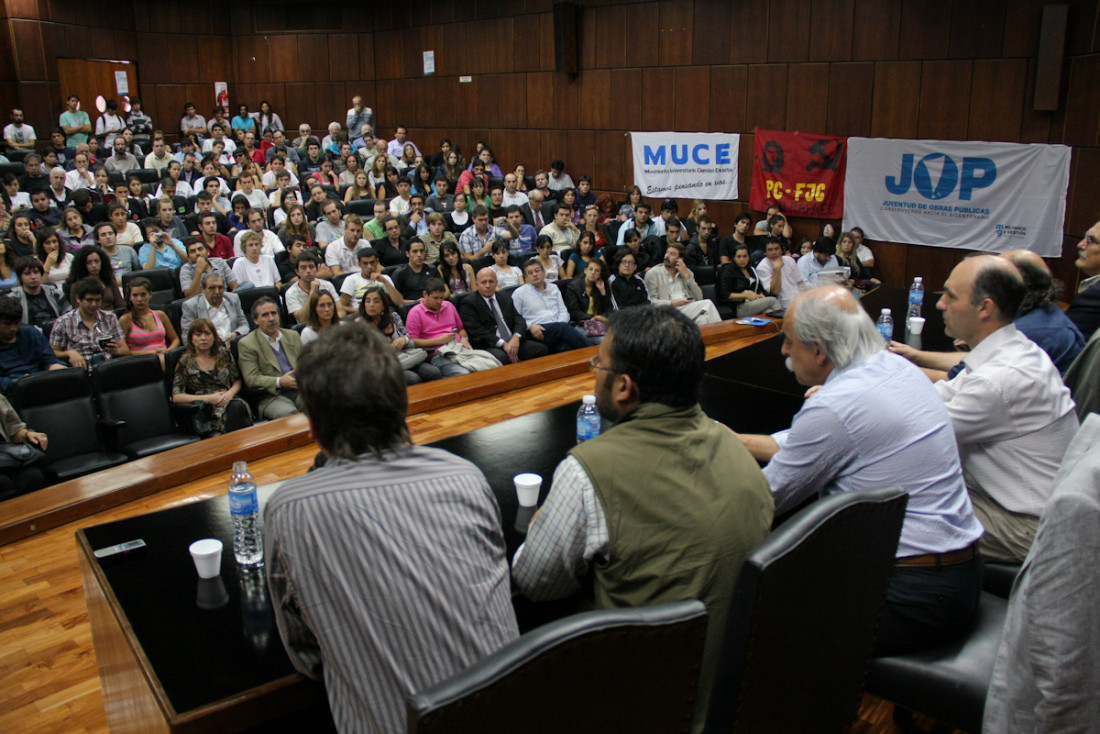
[589,400]
[886,312]
[918,279]
[240,467]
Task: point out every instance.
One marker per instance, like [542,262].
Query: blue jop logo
[977,173]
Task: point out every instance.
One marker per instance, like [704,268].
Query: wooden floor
[48,676]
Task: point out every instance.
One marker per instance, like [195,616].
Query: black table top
[204,655]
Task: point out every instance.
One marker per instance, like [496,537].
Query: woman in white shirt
[507,275]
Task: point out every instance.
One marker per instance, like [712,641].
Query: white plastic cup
[527,489]
[916,324]
[207,555]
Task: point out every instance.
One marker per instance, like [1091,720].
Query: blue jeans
[447,367]
[560,337]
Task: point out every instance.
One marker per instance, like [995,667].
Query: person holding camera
[160,249]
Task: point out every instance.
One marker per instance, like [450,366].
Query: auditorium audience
[88,334]
[543,309]
[588,299]
[452,270]
[215,304]
[739,284]
[627,289]
[93,262]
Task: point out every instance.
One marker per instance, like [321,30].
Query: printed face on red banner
[801,173]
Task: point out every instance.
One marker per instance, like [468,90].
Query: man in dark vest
[662,507]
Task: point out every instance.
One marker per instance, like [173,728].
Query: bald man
[876,422]
[1039,319]
[1013,417]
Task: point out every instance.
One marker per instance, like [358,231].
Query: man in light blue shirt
[543,308]
[873,420]
[823,256]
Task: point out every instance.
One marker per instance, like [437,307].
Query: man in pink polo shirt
[434,322]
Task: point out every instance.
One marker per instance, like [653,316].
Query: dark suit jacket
[547,214]
[1084,310]
[480,325]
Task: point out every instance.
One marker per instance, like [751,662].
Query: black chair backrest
[147,175]
[132,389]
[609,670]
[705,274]
[174,312]
[362,207]
[59,403]
[165,284]
[250,295]
[171,359]
[804,616]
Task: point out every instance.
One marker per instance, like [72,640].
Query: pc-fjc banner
[686,165]
[973,195]
[803,174]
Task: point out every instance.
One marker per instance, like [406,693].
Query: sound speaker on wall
[565,38]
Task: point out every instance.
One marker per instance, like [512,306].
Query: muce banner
[993,197]
[801,173]
[686,165]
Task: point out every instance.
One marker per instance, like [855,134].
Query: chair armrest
[110,427]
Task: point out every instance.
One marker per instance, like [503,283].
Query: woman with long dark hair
[589,299]
[458,275]
[56,263]
[376,309]
[147,330]
[92,262]
[739,284]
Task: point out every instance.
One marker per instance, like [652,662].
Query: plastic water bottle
[588,419]
[916,298]
[885,324]
[244,505]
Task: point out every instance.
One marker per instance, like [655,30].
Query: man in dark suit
[536,203]
[1084,309]
[506,338]
[268,358]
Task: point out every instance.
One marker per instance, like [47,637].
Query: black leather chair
[362,207]
[949,682]
[174,312]
[147,175]
[604,671]
[804,616]
[249,296]
[134,408]
[997,578]
[165,285]
[705,274]
[59,404]
[710,290]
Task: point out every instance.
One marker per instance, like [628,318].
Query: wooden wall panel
[728,91]
[767,96]
[659,99]
[712,32]
[997,100]
[580,153]
[923,33]
[831,30]
[30,62]
[788,31]
[595,101]
[626,99]
[895,107]
[675,25]
[977,29]
[807,97]
[1082,124]
[851,87]
[527,150]
[748,31]
[313,53]
[301,106]
[641,34]
[876,30]
[943,85]
[611,150]
[692,111]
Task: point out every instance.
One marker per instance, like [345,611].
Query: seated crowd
[464,266]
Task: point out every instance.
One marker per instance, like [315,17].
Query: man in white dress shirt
[543,308]
[1013,417]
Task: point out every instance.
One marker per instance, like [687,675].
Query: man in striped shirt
[386,567]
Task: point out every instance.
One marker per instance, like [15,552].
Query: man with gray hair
[876,421]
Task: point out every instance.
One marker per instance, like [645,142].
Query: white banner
[686,165]
[993,197]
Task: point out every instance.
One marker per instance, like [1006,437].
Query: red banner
[802,173]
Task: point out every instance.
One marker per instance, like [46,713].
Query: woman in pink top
[147,331]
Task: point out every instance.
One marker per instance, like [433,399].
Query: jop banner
[973,195]
[802,173]
[686,165]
